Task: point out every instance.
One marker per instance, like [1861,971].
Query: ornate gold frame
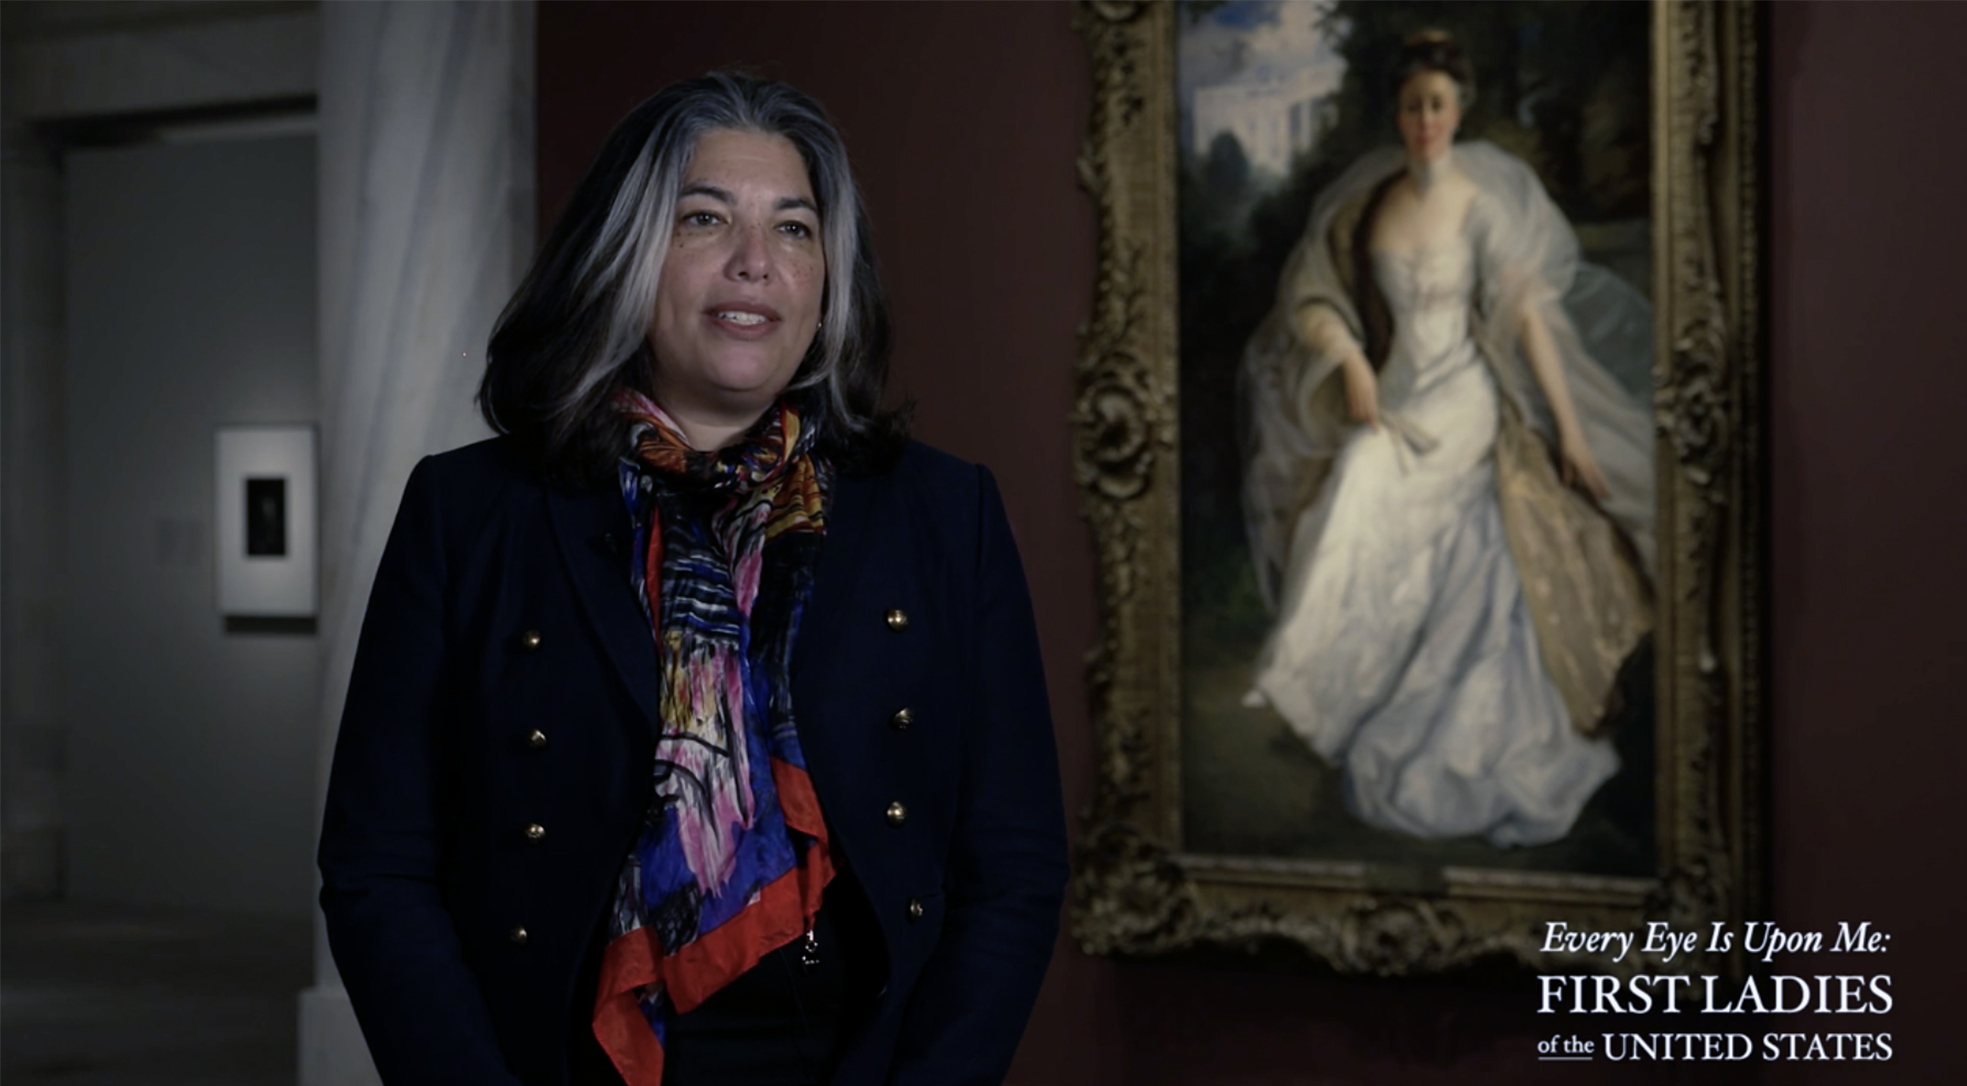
[1137,893]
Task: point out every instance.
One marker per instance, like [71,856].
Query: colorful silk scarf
[732,857]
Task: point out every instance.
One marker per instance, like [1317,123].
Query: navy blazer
[506,679]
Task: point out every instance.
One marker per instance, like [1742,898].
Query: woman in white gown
[1449,498]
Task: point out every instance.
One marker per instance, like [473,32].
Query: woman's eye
[797,229]
[700,218]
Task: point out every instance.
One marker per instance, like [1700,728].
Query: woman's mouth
[743,321]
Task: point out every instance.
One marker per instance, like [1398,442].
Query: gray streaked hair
[577,329]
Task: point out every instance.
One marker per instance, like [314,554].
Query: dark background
[964,121]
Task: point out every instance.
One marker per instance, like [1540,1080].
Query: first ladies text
[1782,994]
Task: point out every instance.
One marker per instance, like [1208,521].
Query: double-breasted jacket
[494,765]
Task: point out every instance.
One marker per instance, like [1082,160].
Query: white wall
[190,285]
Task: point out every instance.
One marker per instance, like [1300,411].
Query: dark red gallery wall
[964,121]
[1868,591]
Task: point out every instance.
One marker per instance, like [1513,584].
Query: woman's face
[1430,109]
[739,297]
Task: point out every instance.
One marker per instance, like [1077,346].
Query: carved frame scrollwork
[1136,891]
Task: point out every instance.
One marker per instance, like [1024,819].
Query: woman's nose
[751,258]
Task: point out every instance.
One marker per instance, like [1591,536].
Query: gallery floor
[96,995]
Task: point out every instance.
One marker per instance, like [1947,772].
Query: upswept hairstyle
[576,332]
[1433,51]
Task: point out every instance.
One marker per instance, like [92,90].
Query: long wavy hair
[576,331]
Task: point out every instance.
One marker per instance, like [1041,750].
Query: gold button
[518,935]
[530,640]
[915,908]
[902,719]
[897,814]
[897,619]
[535,832]
[537,739]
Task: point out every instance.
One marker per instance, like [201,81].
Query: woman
[697,731]
[1449,499]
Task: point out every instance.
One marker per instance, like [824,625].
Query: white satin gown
[1403,650]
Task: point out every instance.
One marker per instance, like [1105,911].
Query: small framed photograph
[267,566]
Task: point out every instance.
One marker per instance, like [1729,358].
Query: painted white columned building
[1274,118]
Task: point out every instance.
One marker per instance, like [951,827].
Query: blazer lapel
[833,582]
[593,532]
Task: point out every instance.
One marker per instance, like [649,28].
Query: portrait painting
[1300,684]
[1410,540]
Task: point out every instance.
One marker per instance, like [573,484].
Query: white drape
[426,225]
